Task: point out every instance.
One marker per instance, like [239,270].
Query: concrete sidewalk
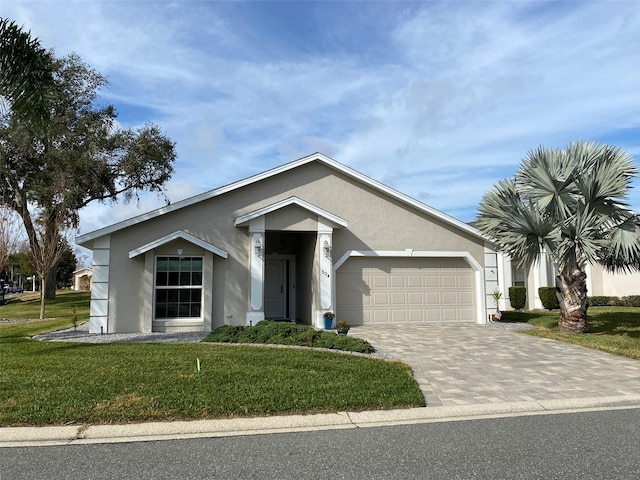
[157,431]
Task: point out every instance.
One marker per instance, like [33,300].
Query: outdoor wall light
[327,249]
[258,247]
[179,251]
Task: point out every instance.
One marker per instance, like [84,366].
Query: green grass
[287,333]
[610,329]
[54,383]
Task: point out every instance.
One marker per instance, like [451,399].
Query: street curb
[155,431]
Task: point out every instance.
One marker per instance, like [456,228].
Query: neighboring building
[293,242]
[543,274]
[82,279]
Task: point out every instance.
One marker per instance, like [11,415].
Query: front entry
[279,284]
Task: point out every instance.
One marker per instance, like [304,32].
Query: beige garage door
[405,290]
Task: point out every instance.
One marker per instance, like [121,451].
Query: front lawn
[44,383]
[610,329]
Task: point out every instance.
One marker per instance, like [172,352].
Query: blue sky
[437,100]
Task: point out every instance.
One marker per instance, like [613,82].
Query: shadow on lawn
[613,323]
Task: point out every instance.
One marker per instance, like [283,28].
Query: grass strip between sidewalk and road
[54,383]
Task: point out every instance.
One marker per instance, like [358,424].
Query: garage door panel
[380,316]
[449,298]
[400,290]
[432,298]
[416,315]
[449,314]
[379,299]
[414,298]
[431,281]
[449,281]
[465,298]
[398,298]
[379,281]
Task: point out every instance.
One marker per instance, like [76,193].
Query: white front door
[275,288]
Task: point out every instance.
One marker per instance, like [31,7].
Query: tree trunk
[571,290]
[43,285]
[50,291]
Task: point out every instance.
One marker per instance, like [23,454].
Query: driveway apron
[476,364]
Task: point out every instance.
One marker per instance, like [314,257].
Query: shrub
[600,301]
[548,297]
[517,297]
[287,333]
[618,302]
[632,301]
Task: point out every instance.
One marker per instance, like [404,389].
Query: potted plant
[328,320]
[496,295]
[343,327]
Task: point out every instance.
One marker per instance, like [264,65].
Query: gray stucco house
[294,242]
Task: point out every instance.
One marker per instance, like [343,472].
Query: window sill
[178,322]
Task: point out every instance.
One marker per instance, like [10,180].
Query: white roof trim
[174,236]
[86,239]
[244,220]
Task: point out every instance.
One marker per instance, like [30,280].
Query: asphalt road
[593,445]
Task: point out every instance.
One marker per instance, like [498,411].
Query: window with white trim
[178,287]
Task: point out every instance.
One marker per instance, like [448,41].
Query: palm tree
[571,204]
[26,73]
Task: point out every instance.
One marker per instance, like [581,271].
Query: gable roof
[336,220]
[174,236]
[86,239]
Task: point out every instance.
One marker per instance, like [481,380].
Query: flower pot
[328,323]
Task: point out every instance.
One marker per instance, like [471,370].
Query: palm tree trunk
[571,290]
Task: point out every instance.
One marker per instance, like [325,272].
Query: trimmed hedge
[550,300]
[604,301]
[548,297]
[517,297]
[288,333]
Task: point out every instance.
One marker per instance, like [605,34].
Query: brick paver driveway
[474,364]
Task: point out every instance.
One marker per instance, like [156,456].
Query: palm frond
[622,253]
[603,176]
[581,240]
[516,227]
[546,179]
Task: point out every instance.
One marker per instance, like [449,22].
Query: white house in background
[294,242]
[82,279]
[543,274]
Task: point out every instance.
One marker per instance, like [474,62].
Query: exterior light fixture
[326,248]
[179,251]
[258,247]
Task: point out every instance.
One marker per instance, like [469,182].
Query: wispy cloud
[439,100]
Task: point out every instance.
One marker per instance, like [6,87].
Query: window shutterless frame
[178,287]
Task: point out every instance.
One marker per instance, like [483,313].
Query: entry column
[325,281]
[255,313]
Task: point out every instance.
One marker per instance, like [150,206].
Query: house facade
[308,237]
